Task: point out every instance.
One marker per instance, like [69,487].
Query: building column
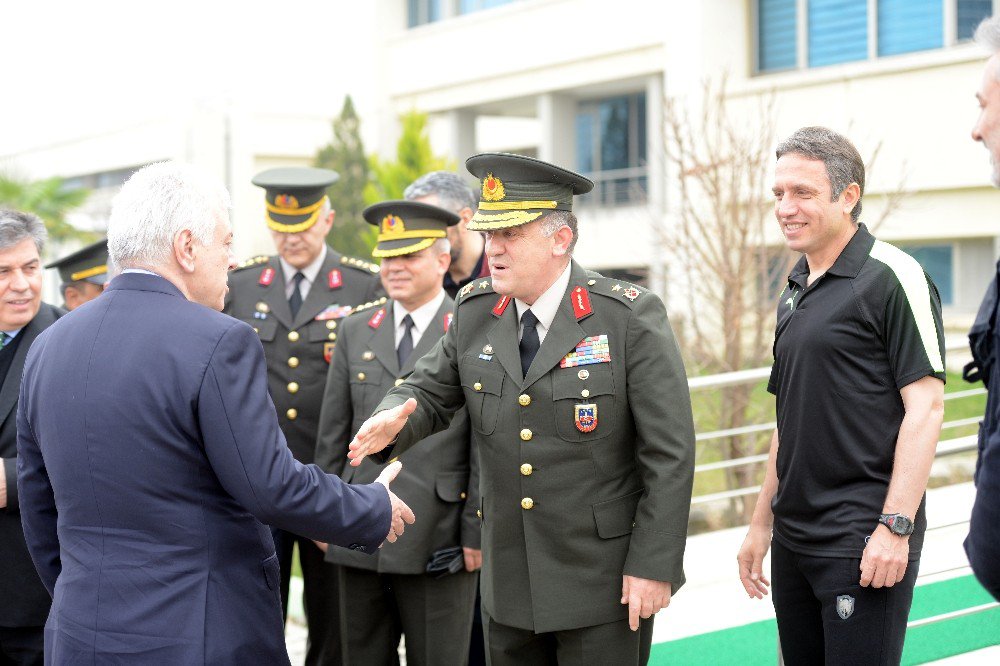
[556,116]
[461,135]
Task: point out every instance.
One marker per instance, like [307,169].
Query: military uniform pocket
[584,385]
[264,328]
[483,387]
[451,486]
[616,517]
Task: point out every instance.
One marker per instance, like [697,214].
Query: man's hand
[378,432]
[473,558]
[884,561]
[644,598]
[751,561]
[401,514]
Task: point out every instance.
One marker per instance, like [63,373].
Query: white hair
[441,246]
[158,202]
[557,219]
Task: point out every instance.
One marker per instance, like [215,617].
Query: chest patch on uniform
[586,417]
[266,277]
[377,318]
[581,302]
[328,348]
[335,311]
[448,318]
[501,305]
[334,279]
[590,350]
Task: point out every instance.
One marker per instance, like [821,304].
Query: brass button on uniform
[361,376]
[526,469]
[293,361]
[477,386]
[331,324]
[256,330]
[293,387]
[332,336]
[368,355]
[399,381]
[527,503]
[585,393]
[293,336]
[461,496]
[524,399]
[292,414]
[526,434]
[479,514]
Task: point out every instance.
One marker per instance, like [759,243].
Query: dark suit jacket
[149,454]
[567,508]
[297,385]
[25,602]
[439,481]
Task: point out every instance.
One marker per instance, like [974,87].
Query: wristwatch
[897,523]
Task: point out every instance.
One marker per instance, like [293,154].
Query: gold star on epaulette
[617,287]
[464,291]
[369,305]
[359,264]
[484,284]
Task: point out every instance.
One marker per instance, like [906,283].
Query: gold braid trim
[305,210]
[481,222]
[425,233]
[516,205]
[90,272]
[427,242]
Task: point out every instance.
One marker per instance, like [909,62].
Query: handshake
[402,515]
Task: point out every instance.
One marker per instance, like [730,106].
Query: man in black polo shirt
[859,380]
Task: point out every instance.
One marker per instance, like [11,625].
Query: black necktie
[405,347]
[529,340]
[295,300]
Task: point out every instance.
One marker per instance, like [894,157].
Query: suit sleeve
[38,512]
[661,408]
[248,453]
[336,413]
[437,388]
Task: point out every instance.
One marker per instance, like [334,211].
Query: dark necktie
[529,340]
[295,300]
[405,347]
[4,339]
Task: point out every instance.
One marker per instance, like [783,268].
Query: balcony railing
[617,187]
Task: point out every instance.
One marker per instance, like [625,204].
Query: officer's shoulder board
[377,303]
[251,262]
[618,290]
[359,264]
[475,288]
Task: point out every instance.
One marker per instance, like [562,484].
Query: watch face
[901,525]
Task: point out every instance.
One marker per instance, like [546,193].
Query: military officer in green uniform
[82,274]
[580,410]
[295,301]
[393,592]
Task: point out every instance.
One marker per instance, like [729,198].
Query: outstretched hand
[379,431]
[402,515]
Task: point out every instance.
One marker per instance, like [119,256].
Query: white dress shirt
[310,272]
[422,317]
[546,306]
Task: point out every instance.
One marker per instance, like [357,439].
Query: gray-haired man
[24,603]
[983,543]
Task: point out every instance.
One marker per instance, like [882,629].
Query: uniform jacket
[983,543]
[297,351]
[567,511]
[439,480]
[25,602]
[149,454]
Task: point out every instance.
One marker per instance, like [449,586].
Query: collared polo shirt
[843,348]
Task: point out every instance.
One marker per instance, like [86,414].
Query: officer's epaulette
[359,264]
[252,261]
[475,288]
[620,290]
[369,305]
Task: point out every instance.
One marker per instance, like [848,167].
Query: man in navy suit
[150,454]
[24,602]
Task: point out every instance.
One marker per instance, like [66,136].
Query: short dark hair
[842,160]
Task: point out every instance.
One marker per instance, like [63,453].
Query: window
[419,12]
[937,261]
[814,33]
[611,148]
[469,6]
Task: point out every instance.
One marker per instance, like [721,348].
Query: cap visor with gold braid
[89,263]
[294,196]
[517,190]
[405,227]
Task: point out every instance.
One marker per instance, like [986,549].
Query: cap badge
[492,188]
[286,201]
[392,224]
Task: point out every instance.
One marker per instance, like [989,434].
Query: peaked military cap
[405,227]
[294,196]
[518,189]
[89,263]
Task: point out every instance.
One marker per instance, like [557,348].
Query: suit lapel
[383,341]
[274,295]
[320,294]
[12,382]
[503,339]
[429,338]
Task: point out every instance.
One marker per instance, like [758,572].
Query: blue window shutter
[909,25]
[776,35]
[838,31]
[970,13]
